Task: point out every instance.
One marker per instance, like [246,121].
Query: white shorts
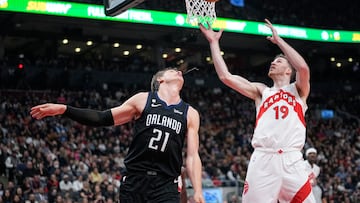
[277,175]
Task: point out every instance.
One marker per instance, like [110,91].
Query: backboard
[115,7]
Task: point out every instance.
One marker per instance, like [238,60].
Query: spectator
[78,184]
[86,193]
[233,175]
[10,163]
[7,197]
[65,184]
[29,171]
[53,183]
[52,194]
[17,199]
[110,193]
[95,177]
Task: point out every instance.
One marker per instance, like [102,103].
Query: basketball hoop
[200,11]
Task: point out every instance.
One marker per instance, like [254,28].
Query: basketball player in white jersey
[276,171]
[313,170]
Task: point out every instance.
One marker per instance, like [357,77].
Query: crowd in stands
[58,160]
[302,13]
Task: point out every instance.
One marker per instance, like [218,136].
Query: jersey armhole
[148,101]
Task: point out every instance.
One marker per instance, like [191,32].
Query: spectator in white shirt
[78,184]
[65,184]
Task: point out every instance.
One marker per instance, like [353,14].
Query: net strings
[200,11]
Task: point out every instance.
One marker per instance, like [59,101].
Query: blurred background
[98,64]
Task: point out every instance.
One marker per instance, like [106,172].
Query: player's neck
[170,95]
[280,82]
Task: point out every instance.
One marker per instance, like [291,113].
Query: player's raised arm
[295,59]
[236,82]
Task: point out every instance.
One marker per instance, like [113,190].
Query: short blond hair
[154,81]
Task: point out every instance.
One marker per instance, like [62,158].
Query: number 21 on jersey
[155,141]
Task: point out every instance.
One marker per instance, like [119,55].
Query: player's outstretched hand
[48,109]
[210,34]
[275,37]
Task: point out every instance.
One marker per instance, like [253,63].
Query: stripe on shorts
[301,195]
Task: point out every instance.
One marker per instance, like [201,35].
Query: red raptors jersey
[280,119]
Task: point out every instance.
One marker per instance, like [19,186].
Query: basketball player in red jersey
[276,169]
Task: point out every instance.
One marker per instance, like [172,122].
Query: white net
[200,11]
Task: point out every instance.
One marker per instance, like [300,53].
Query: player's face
[279,66]
[312,157]
[173,75]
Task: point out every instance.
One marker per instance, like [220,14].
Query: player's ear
[154,84]
[291,72]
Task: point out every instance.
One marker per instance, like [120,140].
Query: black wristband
[89,117]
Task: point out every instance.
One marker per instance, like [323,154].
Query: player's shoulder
[138,99]
[192,111]
[260,86]
[141,95]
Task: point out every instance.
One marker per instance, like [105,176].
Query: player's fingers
[41,115]
[40,105]
[34,108]
[202,27]
[209,26]
[38,113]
[35,115]
[34,111]
[221,31]
[267,21]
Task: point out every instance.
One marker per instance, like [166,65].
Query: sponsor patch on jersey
[154,104]
[178,112]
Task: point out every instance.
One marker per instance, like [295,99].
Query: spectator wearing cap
[313,170]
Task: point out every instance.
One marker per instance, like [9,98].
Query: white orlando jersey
[280,121]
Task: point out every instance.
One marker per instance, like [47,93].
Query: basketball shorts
[149,188]
[277,176]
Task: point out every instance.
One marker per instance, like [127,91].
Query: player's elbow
[225,78]
[303,69]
